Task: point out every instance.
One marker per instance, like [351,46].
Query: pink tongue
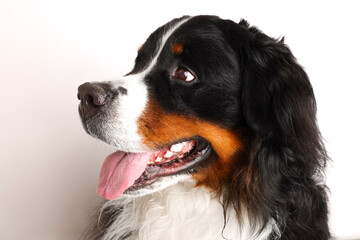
[119,171]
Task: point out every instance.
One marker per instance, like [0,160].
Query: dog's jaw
[157,186]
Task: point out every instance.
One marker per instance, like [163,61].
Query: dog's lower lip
[177,166]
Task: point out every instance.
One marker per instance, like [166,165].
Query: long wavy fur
[281,176]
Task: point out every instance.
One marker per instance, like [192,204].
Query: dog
[216,137]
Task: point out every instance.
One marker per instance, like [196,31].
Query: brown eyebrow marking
[141,47]
[177,48]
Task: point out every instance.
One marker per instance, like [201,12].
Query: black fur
[285,146]
[250,81]
[252,84]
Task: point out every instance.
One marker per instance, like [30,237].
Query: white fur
[158,185]
[180,212]
[127,109]
[122,130]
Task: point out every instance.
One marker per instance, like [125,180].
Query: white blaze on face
[123,128]
[127,109]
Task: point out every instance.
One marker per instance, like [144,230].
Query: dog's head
[207,99]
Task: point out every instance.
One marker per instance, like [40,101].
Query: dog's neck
[182,211]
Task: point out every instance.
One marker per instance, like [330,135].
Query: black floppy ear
[276,91]
[285,147]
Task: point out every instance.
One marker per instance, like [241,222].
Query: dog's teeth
[177,147]
[158,159]
[168,154]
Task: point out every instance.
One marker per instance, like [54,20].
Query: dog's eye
[183,74]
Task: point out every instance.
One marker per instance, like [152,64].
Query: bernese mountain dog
[216,138]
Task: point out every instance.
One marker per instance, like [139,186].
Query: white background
[49,166]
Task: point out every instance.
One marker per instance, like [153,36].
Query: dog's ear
[276,91]
[286,147]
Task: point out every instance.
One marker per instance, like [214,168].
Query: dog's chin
[158,185]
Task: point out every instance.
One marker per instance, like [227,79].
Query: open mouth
[131,171]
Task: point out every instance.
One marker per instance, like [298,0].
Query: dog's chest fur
[179,212]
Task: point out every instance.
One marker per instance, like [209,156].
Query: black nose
[93,96]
